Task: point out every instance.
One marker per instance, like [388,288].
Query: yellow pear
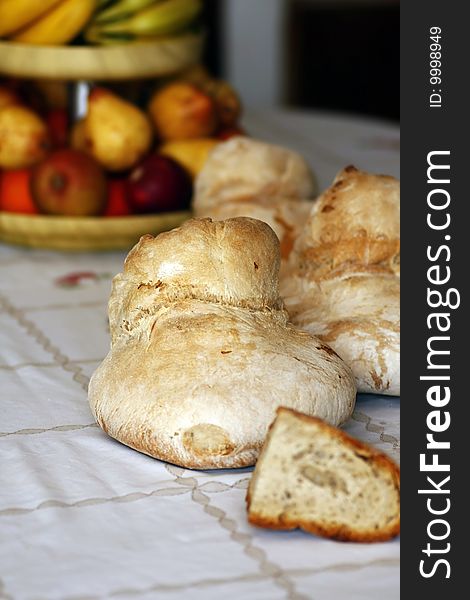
[191,154]
[24,137]
[118,133]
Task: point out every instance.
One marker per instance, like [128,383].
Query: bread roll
[341,282]
[202,353]
[246,177]
[315,477]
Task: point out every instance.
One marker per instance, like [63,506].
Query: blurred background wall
[324,54]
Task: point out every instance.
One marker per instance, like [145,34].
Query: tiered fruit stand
[87,63]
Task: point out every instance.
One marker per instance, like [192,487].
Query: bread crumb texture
[313,476]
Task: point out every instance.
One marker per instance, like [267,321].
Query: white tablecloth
[83,517]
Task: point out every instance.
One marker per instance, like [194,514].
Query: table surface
[83,517]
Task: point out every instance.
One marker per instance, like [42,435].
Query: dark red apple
[159,184]
[117,205]
[69,182]
[58,122]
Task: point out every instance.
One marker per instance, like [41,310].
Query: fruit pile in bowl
[121,158]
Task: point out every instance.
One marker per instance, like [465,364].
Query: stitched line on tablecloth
[46,429]
[258,554]
[33,330]
[268,569]
[46,365]
[361,417]
[66,305]
[274,571]
[247,578]
[187,482]
[190,484]
[130,497]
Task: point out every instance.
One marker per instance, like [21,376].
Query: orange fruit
[15,194]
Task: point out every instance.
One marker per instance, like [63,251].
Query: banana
[94,36]
[164,18]
[122,9]
[102,4]
[60,25]
[15,14]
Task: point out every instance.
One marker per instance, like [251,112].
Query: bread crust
[202,351]
[246,177]
[341,283]
[353,226]
[339,532]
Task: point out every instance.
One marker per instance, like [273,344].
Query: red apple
[159,184]
[69,182]
[117,205]
[58,122]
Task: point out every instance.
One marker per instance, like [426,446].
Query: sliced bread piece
[316,477]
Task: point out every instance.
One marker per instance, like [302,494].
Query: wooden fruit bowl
[102,63]
[84,233]
[116,62]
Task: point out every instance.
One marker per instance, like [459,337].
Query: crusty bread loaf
[354,226]
[202,352]
[313,476]
[341,283]
[246,177]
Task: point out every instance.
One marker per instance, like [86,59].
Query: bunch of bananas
[130,20]
[55,22]
[45,22]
